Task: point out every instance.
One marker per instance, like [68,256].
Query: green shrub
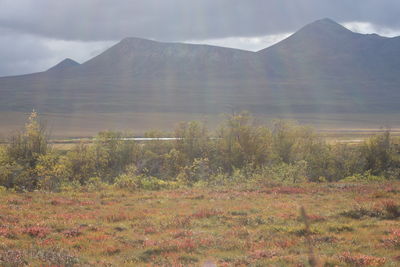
[284,173]
[128,180]
[240,152]
[20,156]
[366,177]
[198,171]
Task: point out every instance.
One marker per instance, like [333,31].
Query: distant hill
[63,65]
[322,68]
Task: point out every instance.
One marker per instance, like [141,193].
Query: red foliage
[8,218]
[394,239]
[262,254]
[181,234]
[150,230]
[37,231]
[186,244]
[6,232]
[285,243]
[112,251]
[150,243]
[205,213]
[290,190]
[361,260]
[62,201]
[72,233]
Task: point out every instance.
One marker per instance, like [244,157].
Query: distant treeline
[239,151]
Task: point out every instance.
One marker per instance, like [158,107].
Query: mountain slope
[64,65]
[327,49]
[322,68]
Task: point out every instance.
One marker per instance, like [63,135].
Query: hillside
[323,68]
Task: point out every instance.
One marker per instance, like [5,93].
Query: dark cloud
[22,53]
[184,19]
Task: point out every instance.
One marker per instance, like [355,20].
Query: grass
[352,225]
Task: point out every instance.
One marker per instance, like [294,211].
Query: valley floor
[67,125]
[351,224]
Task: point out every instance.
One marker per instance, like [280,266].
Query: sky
[37,34]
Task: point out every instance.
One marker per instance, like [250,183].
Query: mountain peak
[136,40]
[65,64]
[326,21]
[325,25]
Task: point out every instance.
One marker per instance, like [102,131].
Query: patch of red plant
[394,239]
[72,233]
[286,243]
[112,251]
[361,260]
[98,237]
[62,201]
[150,243]
[150,230]
[263,254]
[6,232]
[181,234]
[37,231]
[289,190]
[8,218]
[205,213]
[186,244]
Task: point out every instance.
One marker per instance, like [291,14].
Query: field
[351,225]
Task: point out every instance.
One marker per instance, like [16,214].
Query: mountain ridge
[322,68]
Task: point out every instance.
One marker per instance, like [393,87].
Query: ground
[69,125]
[351,225]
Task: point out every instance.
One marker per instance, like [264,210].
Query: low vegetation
[245,195]
[239,152]
[349,225]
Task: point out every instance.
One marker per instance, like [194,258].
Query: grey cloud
[27,53]
[179,20]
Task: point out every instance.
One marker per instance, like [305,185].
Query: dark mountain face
[323,67]
[143,60]
[325,49]
[64,65]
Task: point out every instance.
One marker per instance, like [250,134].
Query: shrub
[365,177]
[198,171]
[286,173]
[51,174]
[21,155]
[128,180]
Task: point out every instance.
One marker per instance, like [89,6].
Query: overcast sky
[36,34]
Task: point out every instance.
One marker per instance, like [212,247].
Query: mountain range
[322,68]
